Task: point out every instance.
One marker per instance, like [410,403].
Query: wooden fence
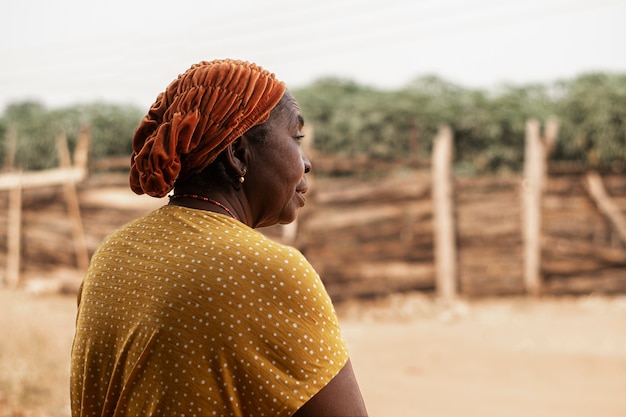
[66,176]
[419,229]
[533,234]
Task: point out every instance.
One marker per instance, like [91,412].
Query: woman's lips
[301,198]
[300,191]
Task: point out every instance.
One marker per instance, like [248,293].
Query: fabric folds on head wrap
[199,114]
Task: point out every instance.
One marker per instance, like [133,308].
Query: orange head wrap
[196,118]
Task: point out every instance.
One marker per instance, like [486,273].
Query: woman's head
[196,118]
[273,166]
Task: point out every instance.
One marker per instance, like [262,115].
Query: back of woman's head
[199,114]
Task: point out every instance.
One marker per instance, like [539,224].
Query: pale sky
[124,51]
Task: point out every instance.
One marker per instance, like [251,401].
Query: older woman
[190,311]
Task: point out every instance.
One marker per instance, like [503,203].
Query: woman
[188,310]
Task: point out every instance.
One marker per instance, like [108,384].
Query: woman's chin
[289,215]
[290,219]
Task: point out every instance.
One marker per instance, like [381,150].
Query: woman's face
[275,182]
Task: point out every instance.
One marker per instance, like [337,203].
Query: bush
[111,126]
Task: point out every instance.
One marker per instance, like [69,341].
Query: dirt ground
[413,356]
[491,358]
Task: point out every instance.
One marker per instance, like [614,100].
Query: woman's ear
[236,156]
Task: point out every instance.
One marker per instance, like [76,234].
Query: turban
[199,114]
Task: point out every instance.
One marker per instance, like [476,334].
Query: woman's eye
[299,137]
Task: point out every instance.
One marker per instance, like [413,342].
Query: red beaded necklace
[207,199]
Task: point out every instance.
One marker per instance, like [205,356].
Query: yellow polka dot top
[188,312]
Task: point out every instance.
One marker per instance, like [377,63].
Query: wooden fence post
[610,210]
[14,237]
[443,214]
[532,188]
[14,218]
[73,206]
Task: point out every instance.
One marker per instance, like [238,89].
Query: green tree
[351,119]
[36,130]
[491,128]
[111,127]
[593,114]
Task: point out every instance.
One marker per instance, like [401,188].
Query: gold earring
[241,178]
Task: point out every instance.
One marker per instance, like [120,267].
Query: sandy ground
[413,357]
[495,358]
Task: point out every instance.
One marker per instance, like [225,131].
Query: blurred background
[122,51]
[468,207]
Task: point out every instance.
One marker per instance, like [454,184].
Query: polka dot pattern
[191,313]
